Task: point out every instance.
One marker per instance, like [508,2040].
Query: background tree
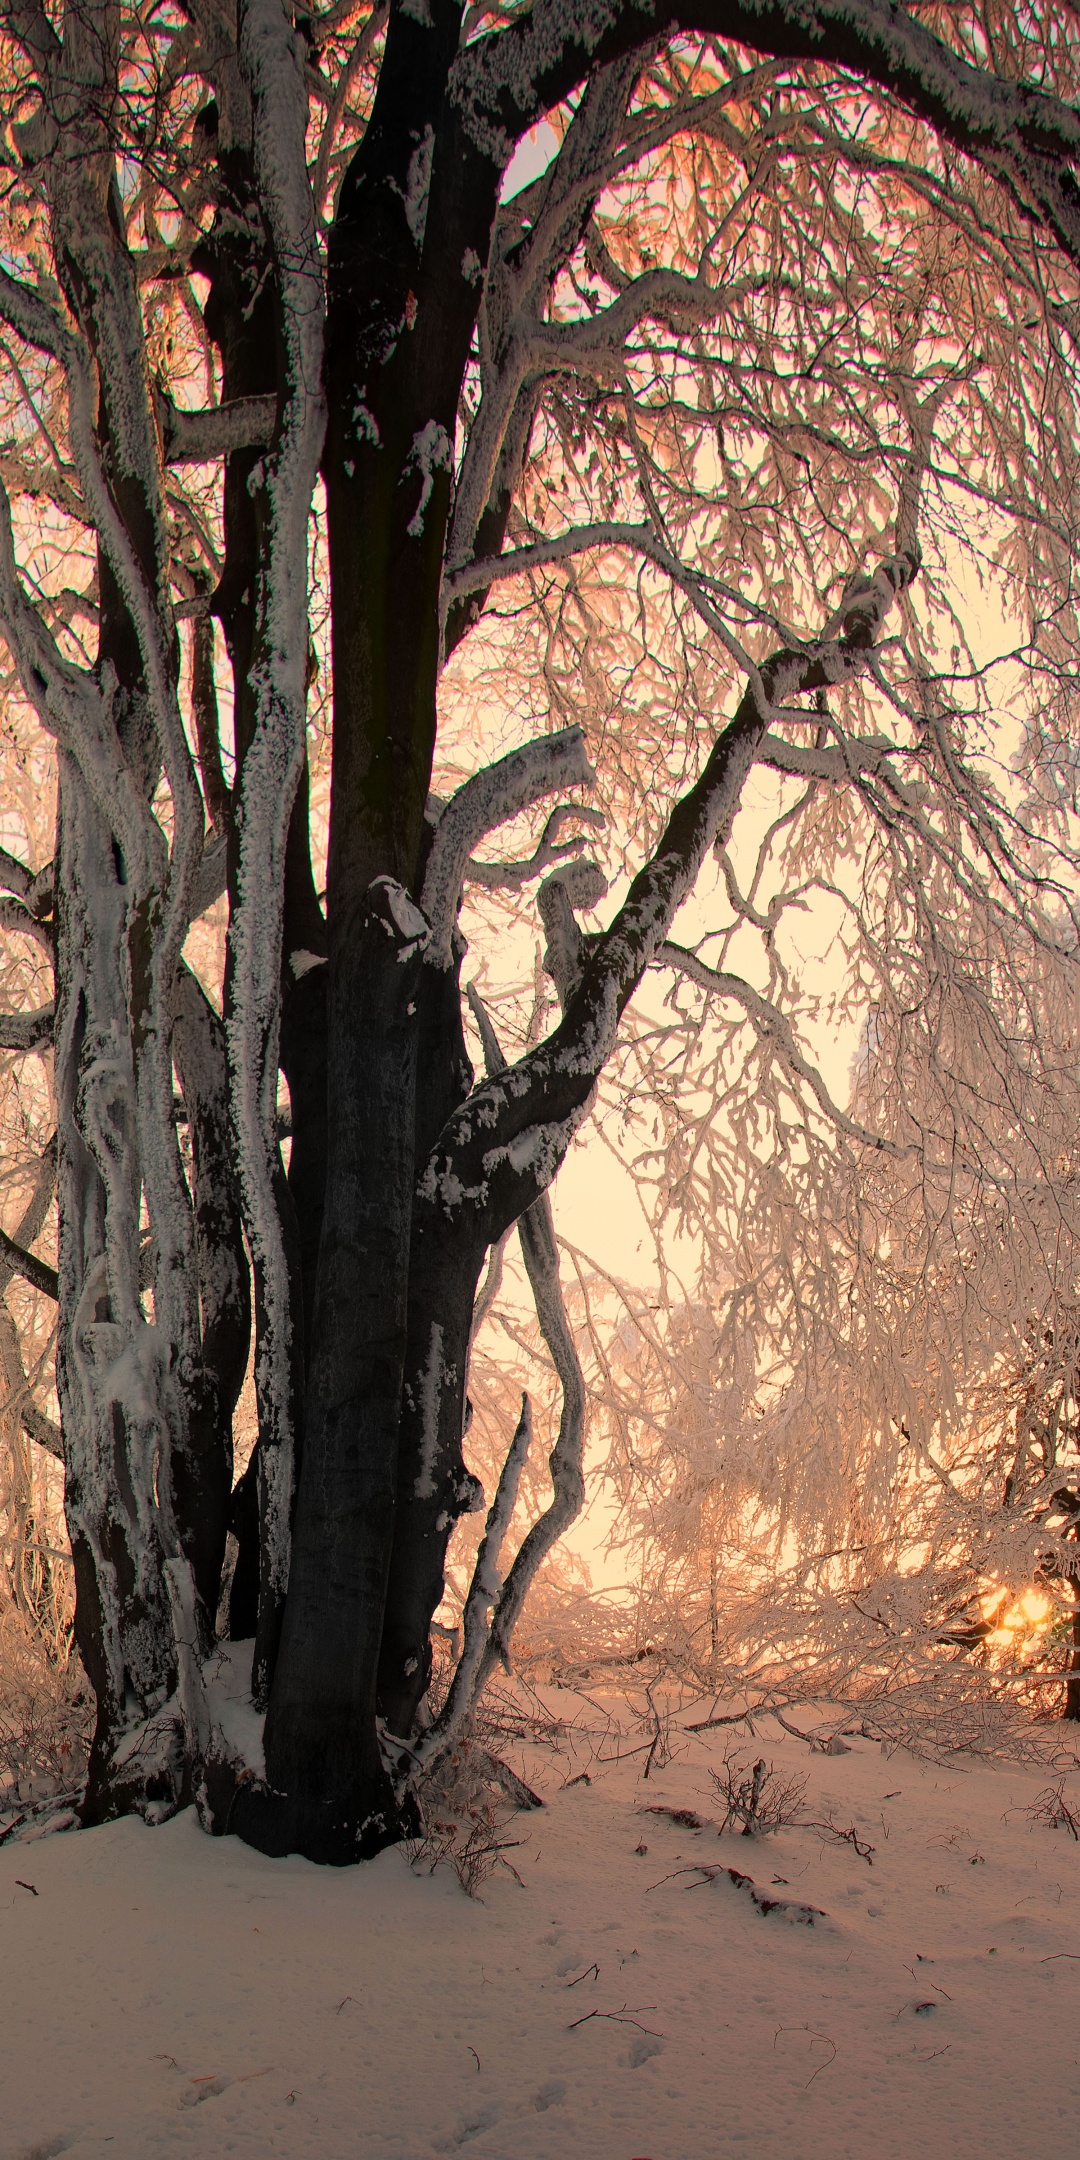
[789,310]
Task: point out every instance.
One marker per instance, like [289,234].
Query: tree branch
[501,1150]
[18,920]
[36,1272]
[199,438]
[483,1645]
[488,799]
[27,1031]
[772,1026]
[511,876]
[506,80]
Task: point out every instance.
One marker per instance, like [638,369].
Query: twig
[618,2017]
[709,1724]
[844,1837]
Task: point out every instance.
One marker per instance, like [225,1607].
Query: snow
[418,185]
[429,453]
[179,1995]
[433,1380]
[302,962]
[227,1679]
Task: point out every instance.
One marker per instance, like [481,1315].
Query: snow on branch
[703,592]
[772,1027]
[16,1259]
[27,1031]
[483,1645]
[36,1272]
[198,438]
[37,323]
[14,1256]
[14,875]
[511,876]
[484,1592]
[504,81]
[474,577]
[503,1147]
[17,919]
[855,754]
[579,884]
[272,64]
[490,798]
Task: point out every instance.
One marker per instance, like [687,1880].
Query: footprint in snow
[470,2126]
[550,2095]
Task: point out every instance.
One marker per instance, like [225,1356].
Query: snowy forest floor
[170,1994]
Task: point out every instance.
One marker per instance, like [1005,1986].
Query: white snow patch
[366,425]
[418,185]
[302,962]
[432,1381]
[411,923]
[227,1678]
[180,1995]
[429,453]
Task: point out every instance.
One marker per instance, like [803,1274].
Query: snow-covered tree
[714,389]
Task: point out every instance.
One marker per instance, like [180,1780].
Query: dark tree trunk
[328,1793]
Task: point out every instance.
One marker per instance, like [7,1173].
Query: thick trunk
[393,382]
[104,1360]
[328,1795]
[433,1487]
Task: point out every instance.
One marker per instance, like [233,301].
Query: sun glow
[1026,1617]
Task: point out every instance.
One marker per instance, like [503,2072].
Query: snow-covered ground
[169,1994]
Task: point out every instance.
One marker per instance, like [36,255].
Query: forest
[539,950]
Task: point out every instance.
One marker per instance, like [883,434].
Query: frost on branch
[491,798]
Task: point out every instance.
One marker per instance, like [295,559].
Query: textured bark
[122,1623]
[327,1794]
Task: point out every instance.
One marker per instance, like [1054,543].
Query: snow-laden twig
[772,1027]
[550,848]
[504,1145]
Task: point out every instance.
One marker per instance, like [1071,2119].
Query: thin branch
[772,1026]
[34,1271]
[511,876]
